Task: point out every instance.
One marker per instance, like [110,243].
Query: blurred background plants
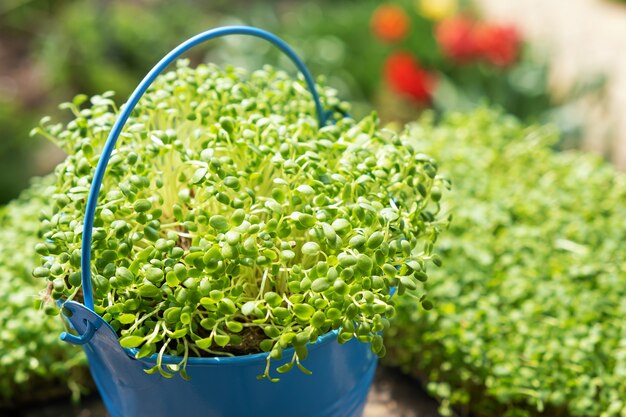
[52,50]
[529,303]
[398,57]
[404,56]
[34,365]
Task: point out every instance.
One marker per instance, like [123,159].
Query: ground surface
[393,395]
[396,395]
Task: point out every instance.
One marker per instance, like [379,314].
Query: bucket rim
[231,360]
[322,340]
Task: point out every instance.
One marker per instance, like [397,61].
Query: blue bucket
[225,386]
[219,386]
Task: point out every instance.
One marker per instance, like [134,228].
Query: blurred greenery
[337,42]
[14,149]
[34,363]
[529,303]
[54,49]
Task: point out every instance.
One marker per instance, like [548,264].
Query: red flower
[498,44]
[390,23]
[456,38]
[465,40]
[405,76]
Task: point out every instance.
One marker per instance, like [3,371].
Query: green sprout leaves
[528,307]
[245,228]
[32,354]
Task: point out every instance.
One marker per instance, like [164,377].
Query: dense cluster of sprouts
[230,223]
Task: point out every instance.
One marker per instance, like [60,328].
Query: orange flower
[406,77]
[456,38]
[390,23]
[498,44]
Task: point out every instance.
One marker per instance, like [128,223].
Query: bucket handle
[109,145]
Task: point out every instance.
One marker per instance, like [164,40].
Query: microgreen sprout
[230,223]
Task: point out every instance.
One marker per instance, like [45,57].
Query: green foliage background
[529,304]
[34,363]
[57,49]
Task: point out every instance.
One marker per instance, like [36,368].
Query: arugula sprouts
[229,223]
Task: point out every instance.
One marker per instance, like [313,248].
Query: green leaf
[172,279]
[285,368]
[234,326]
[303,311]
[142,205]
[310,249]
[303,369]
[149,291]
[248,308]
[154,275]
[146,350]
[199,175]
[219,223]
[126,318]
[204,343]
[320,285]
[130,342]
[221,339]
[375,240]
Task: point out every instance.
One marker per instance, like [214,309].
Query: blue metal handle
[80,339]
[109,145]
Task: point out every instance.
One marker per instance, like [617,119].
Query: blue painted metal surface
[220,386]
[227,386]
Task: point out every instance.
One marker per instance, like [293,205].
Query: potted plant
[235,236]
